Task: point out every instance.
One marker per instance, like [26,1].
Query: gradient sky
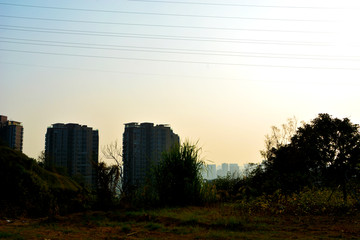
[220,72]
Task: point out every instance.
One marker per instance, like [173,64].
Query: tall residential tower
[74,148]
[143,145]
[11,133]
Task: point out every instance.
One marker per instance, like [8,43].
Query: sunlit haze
[220,72]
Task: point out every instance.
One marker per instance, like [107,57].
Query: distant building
[208,171]
[211,171]
[219,173]
[74,148]
[234,170]
[143,145]
[11,133]
[225,169]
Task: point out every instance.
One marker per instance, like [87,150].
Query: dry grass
[217,222]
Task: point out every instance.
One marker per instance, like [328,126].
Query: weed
[125,228]
[182,230]
[14,236]
[153,226]
[6,235]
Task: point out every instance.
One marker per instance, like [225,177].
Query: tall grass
[306,202]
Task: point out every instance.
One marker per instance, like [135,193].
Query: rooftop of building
[144,124]
[71,125]
[4,120]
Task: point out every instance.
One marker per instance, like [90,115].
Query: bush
[228,188]
[175,181]
[307,202]
[178,179]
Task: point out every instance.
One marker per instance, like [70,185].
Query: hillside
[27,188]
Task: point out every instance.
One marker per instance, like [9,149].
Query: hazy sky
[218,71]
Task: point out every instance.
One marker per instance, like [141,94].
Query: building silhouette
[74,148]
[209,171]
[234,170]
[143,145]
[11,133]
[223,171]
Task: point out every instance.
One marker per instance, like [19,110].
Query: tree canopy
[324,152]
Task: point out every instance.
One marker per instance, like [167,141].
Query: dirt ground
[176,224]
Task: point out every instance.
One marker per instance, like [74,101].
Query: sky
[220,72]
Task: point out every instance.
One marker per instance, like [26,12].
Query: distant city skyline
[213,171]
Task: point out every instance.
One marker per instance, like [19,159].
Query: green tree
[324,152]
[331,148]
[178,178]
[107,181]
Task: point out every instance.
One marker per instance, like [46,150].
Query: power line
[160,14]
[154,74]
[115,71]
[162,25]
[175,61]
[176,51]
[235,4]
[195,51]
[146,36]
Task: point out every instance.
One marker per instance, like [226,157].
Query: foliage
[107,182]
[279,137]
[177,176]
[322,153]
[29,189]
[227,188]
[208,193]
[176,179]
[306,202]
[113,152]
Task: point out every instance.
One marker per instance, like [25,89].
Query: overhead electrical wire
[167,37]
[160,14]
[81,45]
[235,4]
[163,25]
[148,36]
[116,71]
[175,61]
[182,76]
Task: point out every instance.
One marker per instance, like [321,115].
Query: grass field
[216,222]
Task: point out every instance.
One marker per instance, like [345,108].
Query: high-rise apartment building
[234,170]
[11,133]
[209,172]
[143,145]
[74,148]
[225,169]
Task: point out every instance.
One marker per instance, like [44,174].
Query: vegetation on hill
[28,189]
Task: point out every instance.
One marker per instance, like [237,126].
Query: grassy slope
[28,188]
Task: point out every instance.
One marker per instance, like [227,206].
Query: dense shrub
[175,181]
[228,188]
[306,202]
[178,179]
